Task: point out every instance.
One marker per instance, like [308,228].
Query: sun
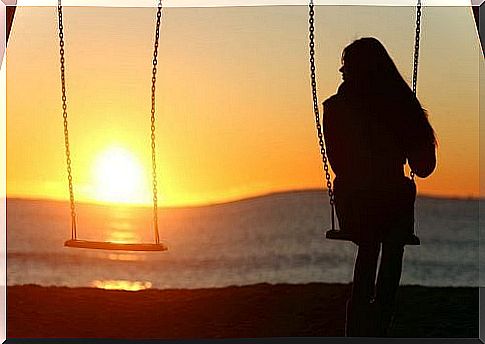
[119,177]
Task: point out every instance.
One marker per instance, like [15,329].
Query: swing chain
[416,55]
[64,116]
[317,113]
[152,127]
[315,105]
[416,46]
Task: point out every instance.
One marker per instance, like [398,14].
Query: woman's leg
[363,287]
[388,282]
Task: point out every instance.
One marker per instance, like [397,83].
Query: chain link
[152,120]
[64,116]
[321,142]
[416,56]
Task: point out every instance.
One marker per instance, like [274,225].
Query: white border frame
[153,3]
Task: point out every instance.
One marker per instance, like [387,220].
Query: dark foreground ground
[261,310]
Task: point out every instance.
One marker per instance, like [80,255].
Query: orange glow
[121,285]
[234,111]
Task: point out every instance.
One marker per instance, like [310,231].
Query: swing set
[333,233]
[157,245]
[103,245]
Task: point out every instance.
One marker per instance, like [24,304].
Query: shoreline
[260,310]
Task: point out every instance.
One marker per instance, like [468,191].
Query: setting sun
[119,177]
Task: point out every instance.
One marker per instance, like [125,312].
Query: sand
[260,310]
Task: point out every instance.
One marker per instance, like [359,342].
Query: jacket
[367,149]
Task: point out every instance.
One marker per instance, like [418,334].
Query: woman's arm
[419,140]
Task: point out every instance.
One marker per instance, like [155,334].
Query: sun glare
[119,177]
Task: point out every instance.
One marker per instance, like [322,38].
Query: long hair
[372,74]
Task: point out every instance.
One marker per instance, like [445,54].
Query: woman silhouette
[372,126]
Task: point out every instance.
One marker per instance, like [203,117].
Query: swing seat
[113,246]
[335,234]
[413,239]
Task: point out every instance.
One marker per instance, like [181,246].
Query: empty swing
[102,245]
[333,233]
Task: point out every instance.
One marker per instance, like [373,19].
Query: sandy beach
[261,310]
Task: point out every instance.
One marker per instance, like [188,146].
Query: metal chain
[323,152]
[64,116]
[416,55]
[152,120]
[416,46]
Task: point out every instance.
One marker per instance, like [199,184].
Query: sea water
[277,238]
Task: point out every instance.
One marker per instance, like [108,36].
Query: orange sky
[234,103]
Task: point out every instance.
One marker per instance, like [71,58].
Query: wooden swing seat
[335,234]
[113,246]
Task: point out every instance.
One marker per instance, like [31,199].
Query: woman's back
[365,149]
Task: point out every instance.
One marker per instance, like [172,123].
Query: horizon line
[222,202]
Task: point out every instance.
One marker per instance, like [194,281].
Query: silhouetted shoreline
[261,310]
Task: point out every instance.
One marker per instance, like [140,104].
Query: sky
[234,109]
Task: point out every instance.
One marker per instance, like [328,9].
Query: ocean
[278,238]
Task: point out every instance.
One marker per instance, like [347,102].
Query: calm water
[275,239]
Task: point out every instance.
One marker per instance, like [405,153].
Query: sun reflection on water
[125,257]
[123,233]
[121,285]
[122,225]
[122,237]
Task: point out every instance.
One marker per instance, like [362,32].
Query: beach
[260,310]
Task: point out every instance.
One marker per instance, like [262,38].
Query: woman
[372,126]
